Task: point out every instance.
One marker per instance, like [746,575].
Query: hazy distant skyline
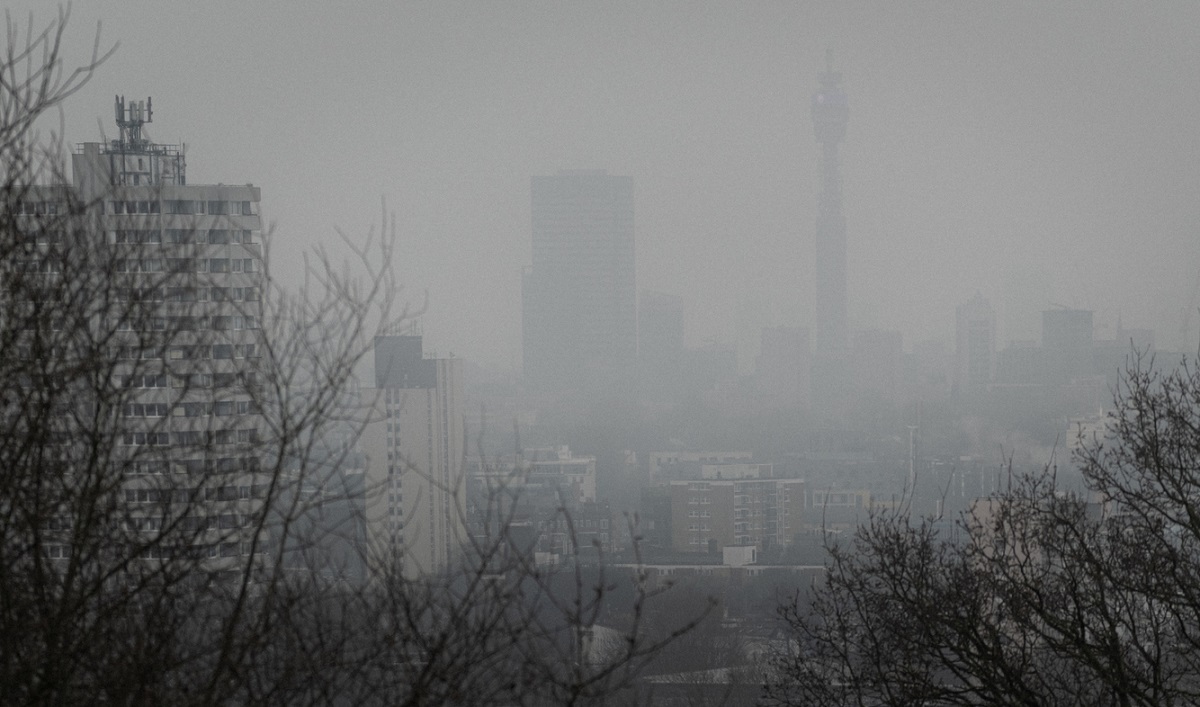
[1039,153]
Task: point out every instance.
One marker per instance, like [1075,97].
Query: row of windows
[188,294]
[37,265]
[61,551]
[224,521]
[189,380]
[146,410]
[212,551]
[223,465]
[583,524]
[183,207]
[234,294]
[179,294]
[699,514]
[38,294]
[50,353]
[152,380]
[181,265]
[140,294]
[35,208]
[182,236]
[198,438]
[223,408]
[216,380]
[201,352]
[191,438]
[136,236]
[142,468]
[40,234]
[192,495]
[190,323]
[219,351]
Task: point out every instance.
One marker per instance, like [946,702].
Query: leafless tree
[1040,596]
[144,562]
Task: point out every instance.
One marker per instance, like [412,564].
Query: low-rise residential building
[709,514]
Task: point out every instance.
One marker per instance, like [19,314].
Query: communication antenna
[131,118]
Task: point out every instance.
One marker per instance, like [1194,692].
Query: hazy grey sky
[1036,152]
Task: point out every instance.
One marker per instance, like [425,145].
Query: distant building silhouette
[830,114]
[1067,340]
[579,295]
[1067,329]
[830,374]
[975,343]
[782,368]
[875,362]
[660,343]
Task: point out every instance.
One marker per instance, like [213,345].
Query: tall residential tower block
[414,445]
[179,289]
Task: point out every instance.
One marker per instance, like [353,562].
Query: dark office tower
[975,343]
[579,295]
[829,110]
[1067,343]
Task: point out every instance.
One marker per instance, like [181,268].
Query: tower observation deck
[830,112]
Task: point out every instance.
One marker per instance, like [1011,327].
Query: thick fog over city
[1039,153]
[494,353]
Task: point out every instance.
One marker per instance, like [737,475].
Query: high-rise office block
[830,113]
[579,294]
[414,445]
[975,348]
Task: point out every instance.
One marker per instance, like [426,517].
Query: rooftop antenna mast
[130,120]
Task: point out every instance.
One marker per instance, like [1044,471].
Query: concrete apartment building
[414,455]
[189,256]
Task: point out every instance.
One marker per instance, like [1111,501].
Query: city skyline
[1040,154]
